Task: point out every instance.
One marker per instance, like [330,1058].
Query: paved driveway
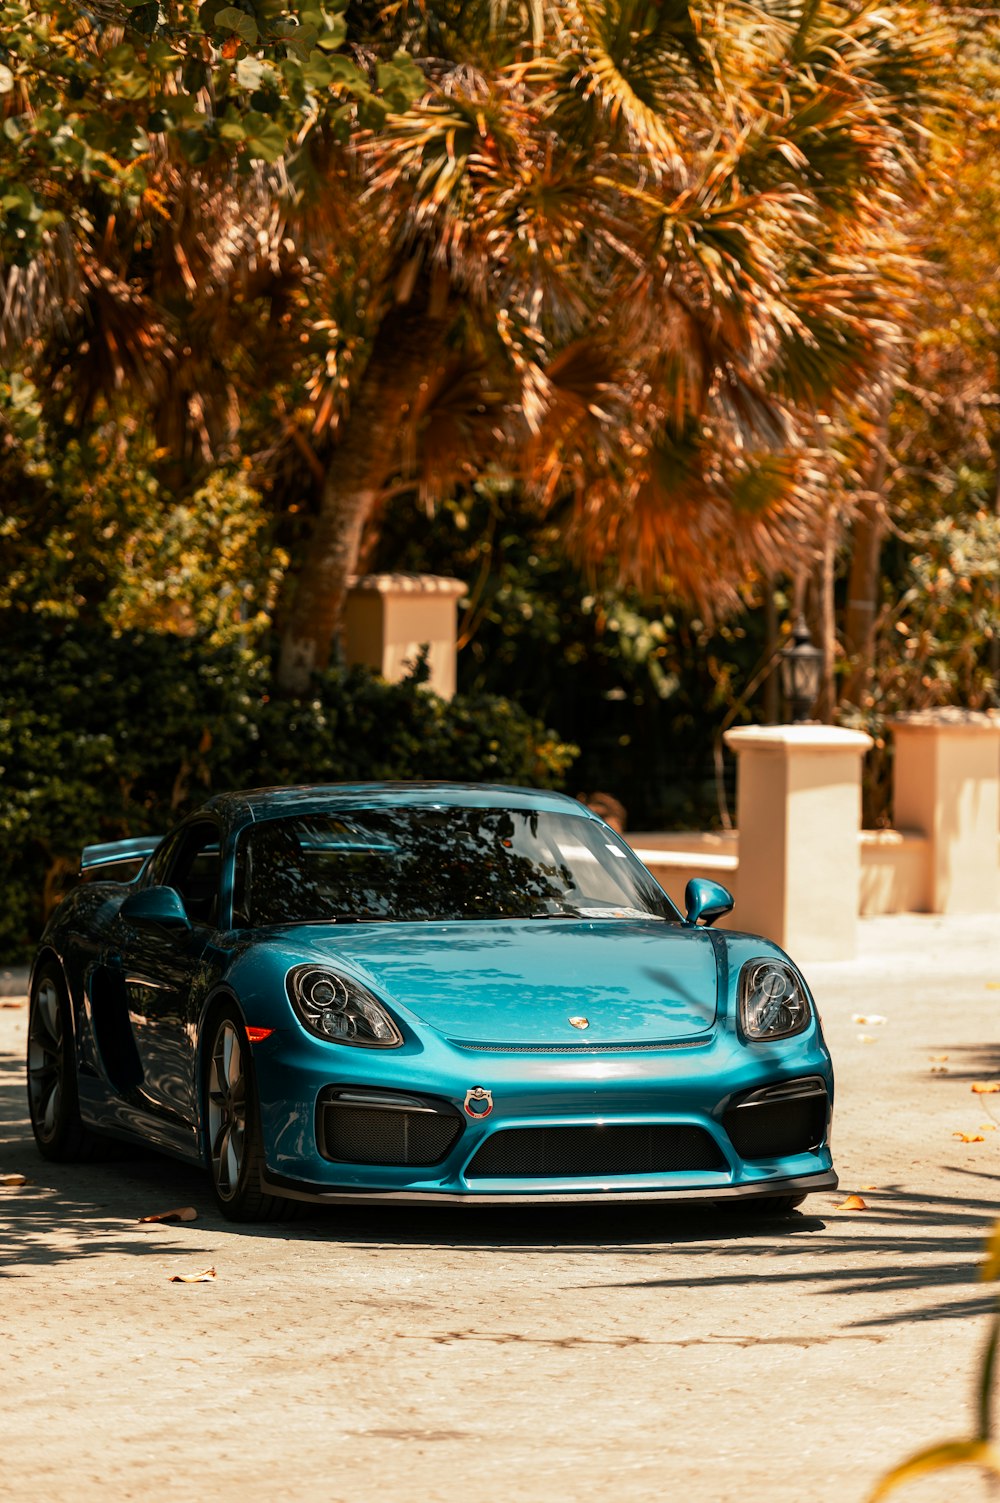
[574,1354]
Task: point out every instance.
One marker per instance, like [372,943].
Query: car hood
[520,982]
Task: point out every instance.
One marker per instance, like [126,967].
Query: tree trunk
[868,530]
[772,684]
[827,618]
[994,657]
[403,354]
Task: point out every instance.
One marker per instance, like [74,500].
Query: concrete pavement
[624,1353]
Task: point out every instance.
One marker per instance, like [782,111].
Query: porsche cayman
[422,992]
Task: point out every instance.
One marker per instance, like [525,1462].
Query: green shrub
[104,736]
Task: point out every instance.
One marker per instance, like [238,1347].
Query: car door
[161,968]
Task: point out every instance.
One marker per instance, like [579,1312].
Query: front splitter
[806,1184]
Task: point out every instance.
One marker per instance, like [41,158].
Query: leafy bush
[90,531]
[104,736]
[937,641]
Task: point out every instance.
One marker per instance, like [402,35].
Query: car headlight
[340,1009]
[773,1001]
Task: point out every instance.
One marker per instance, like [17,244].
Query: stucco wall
[895,866]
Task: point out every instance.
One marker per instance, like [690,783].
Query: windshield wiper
[558,913]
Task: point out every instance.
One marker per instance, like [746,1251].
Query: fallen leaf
[985,1087]
[183,1213]
[14,1179]
[869,1187]
[991,1265]
[939,1070]
[987,1127]
[12,1001]
[852,1203]
[866,1038]
[868,1020]
[937,1058]
[993,986]
[969,1137]
[205,1277]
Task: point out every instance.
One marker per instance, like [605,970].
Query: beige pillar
[946,783]
[798,809]
[390,617]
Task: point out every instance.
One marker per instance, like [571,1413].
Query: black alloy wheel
[231,1117]
[53,1100]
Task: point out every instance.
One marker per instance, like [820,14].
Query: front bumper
[687,1087]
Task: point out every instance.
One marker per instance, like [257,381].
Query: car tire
[234,1149]
[53,1096]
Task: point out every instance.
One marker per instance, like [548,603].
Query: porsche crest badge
[580,1022]
[478,1101]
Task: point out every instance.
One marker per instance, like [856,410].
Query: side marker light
[258,1035]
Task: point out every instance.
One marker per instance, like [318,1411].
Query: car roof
[250,805]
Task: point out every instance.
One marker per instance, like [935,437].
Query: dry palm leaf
[205,1277]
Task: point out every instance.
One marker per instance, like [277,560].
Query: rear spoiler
[116,851]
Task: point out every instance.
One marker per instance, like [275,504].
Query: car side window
[241,884]
[194,869]
[156,869]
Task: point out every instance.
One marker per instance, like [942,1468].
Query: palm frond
[433,163]
[689,521]
[585,412]
[632,93]
[453,428]
[847,323]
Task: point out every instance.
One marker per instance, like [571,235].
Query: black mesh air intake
[774,1129]
[351,1132]
[594,1152]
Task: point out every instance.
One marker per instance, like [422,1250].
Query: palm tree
[635,252]
[667,236]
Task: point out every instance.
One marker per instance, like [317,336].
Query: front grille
[773,1129]
[356,1133]
[594,1152]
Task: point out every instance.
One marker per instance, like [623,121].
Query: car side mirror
[706,900]
[157,906]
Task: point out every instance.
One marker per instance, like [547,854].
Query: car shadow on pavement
[643,1226]
[902,1243]
[72,1211]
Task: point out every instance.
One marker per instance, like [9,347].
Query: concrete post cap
[948,718]
[786,740]
[407,584]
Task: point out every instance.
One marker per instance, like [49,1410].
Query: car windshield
[427,863]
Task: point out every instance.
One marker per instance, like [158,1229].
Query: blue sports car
[422,992]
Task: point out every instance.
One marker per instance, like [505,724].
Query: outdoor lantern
[801,672]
